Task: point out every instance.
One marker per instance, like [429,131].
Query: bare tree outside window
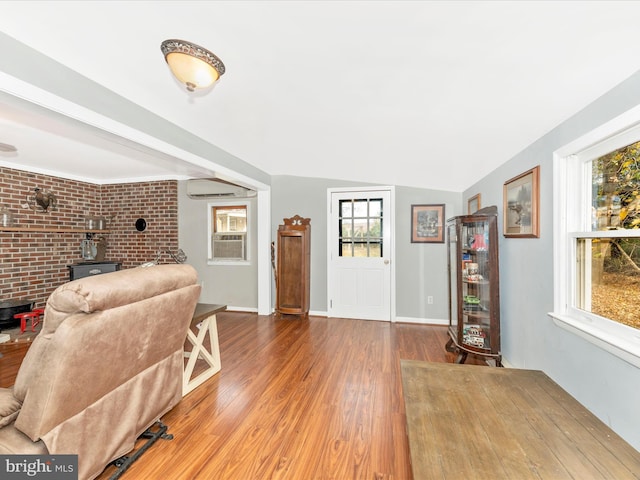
[614,261]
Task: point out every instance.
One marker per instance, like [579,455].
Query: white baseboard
[232,308]
[423,321]
[320,313]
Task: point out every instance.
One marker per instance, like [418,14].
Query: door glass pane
[347,229]
[360,208]
[360,250]
[346,249]
[375,208]
[360,228]
[375,250]
[375,229]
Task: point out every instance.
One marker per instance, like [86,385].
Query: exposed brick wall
[157,203]
[33,264]
[75,200]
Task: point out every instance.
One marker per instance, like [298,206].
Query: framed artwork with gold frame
[473,204]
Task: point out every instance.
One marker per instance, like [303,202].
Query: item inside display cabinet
[474,335]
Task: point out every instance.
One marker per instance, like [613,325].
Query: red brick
[35,263]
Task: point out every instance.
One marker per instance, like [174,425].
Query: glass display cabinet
[474,286]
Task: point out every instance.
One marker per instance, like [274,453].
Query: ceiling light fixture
[191,64]
[5,147]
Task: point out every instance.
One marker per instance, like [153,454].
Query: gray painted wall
[602,382]
[306,197]
[232,285]
[420,268]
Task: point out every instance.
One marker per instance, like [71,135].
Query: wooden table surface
[475,422]
[204,310]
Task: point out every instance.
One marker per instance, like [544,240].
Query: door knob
[386,262]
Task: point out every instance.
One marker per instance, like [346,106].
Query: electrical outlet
[430,300]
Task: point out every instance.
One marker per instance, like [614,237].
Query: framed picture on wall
[427,223]
[473,204]
[521,196]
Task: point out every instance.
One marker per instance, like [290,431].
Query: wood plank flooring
[502,423]
[319,398]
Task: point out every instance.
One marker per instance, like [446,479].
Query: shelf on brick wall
[51,230]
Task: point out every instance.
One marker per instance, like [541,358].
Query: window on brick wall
[229,232]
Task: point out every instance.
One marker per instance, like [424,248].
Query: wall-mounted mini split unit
[202,188]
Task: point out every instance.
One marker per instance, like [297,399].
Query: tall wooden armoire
[293,266]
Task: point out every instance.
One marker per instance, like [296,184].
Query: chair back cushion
[108,343]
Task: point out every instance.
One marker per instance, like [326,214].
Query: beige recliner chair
[107,364]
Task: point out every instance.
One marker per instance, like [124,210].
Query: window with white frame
[228,232]
[597,238]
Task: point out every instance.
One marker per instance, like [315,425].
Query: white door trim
[392,253]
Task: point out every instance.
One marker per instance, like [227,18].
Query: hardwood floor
[12,355]
[296,399]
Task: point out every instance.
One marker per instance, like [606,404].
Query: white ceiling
[421,93]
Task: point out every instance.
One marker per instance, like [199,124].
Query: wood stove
[8,308]
[87,269]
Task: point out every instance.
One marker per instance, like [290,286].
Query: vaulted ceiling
[420,93]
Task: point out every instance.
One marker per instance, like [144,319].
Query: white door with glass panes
[360,254]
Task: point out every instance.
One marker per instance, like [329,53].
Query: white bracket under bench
[204,320]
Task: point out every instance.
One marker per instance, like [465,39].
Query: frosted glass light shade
[191,64]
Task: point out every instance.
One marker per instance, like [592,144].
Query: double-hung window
[597,239]
[228,232]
